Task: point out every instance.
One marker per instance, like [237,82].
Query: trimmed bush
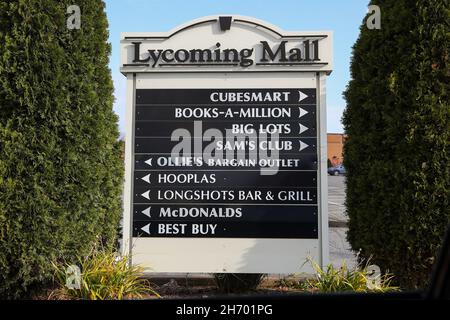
[397,152]
[60,167]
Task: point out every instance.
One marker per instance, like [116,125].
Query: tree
[397,152]
[60,167]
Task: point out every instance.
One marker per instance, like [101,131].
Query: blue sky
[342,17]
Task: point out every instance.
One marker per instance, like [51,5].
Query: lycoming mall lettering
[307,52]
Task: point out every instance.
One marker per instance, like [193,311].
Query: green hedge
[397,153]
[60,167]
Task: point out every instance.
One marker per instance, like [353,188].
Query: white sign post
[226,152]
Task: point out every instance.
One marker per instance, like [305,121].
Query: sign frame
[134,74]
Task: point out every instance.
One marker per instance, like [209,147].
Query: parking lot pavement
[340,250]
[336,199]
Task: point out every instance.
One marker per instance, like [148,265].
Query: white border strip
[129,165]
[322,170]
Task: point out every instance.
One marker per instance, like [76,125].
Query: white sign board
[226,147]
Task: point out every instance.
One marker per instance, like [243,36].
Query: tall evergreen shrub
[397,153]
[60,166]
